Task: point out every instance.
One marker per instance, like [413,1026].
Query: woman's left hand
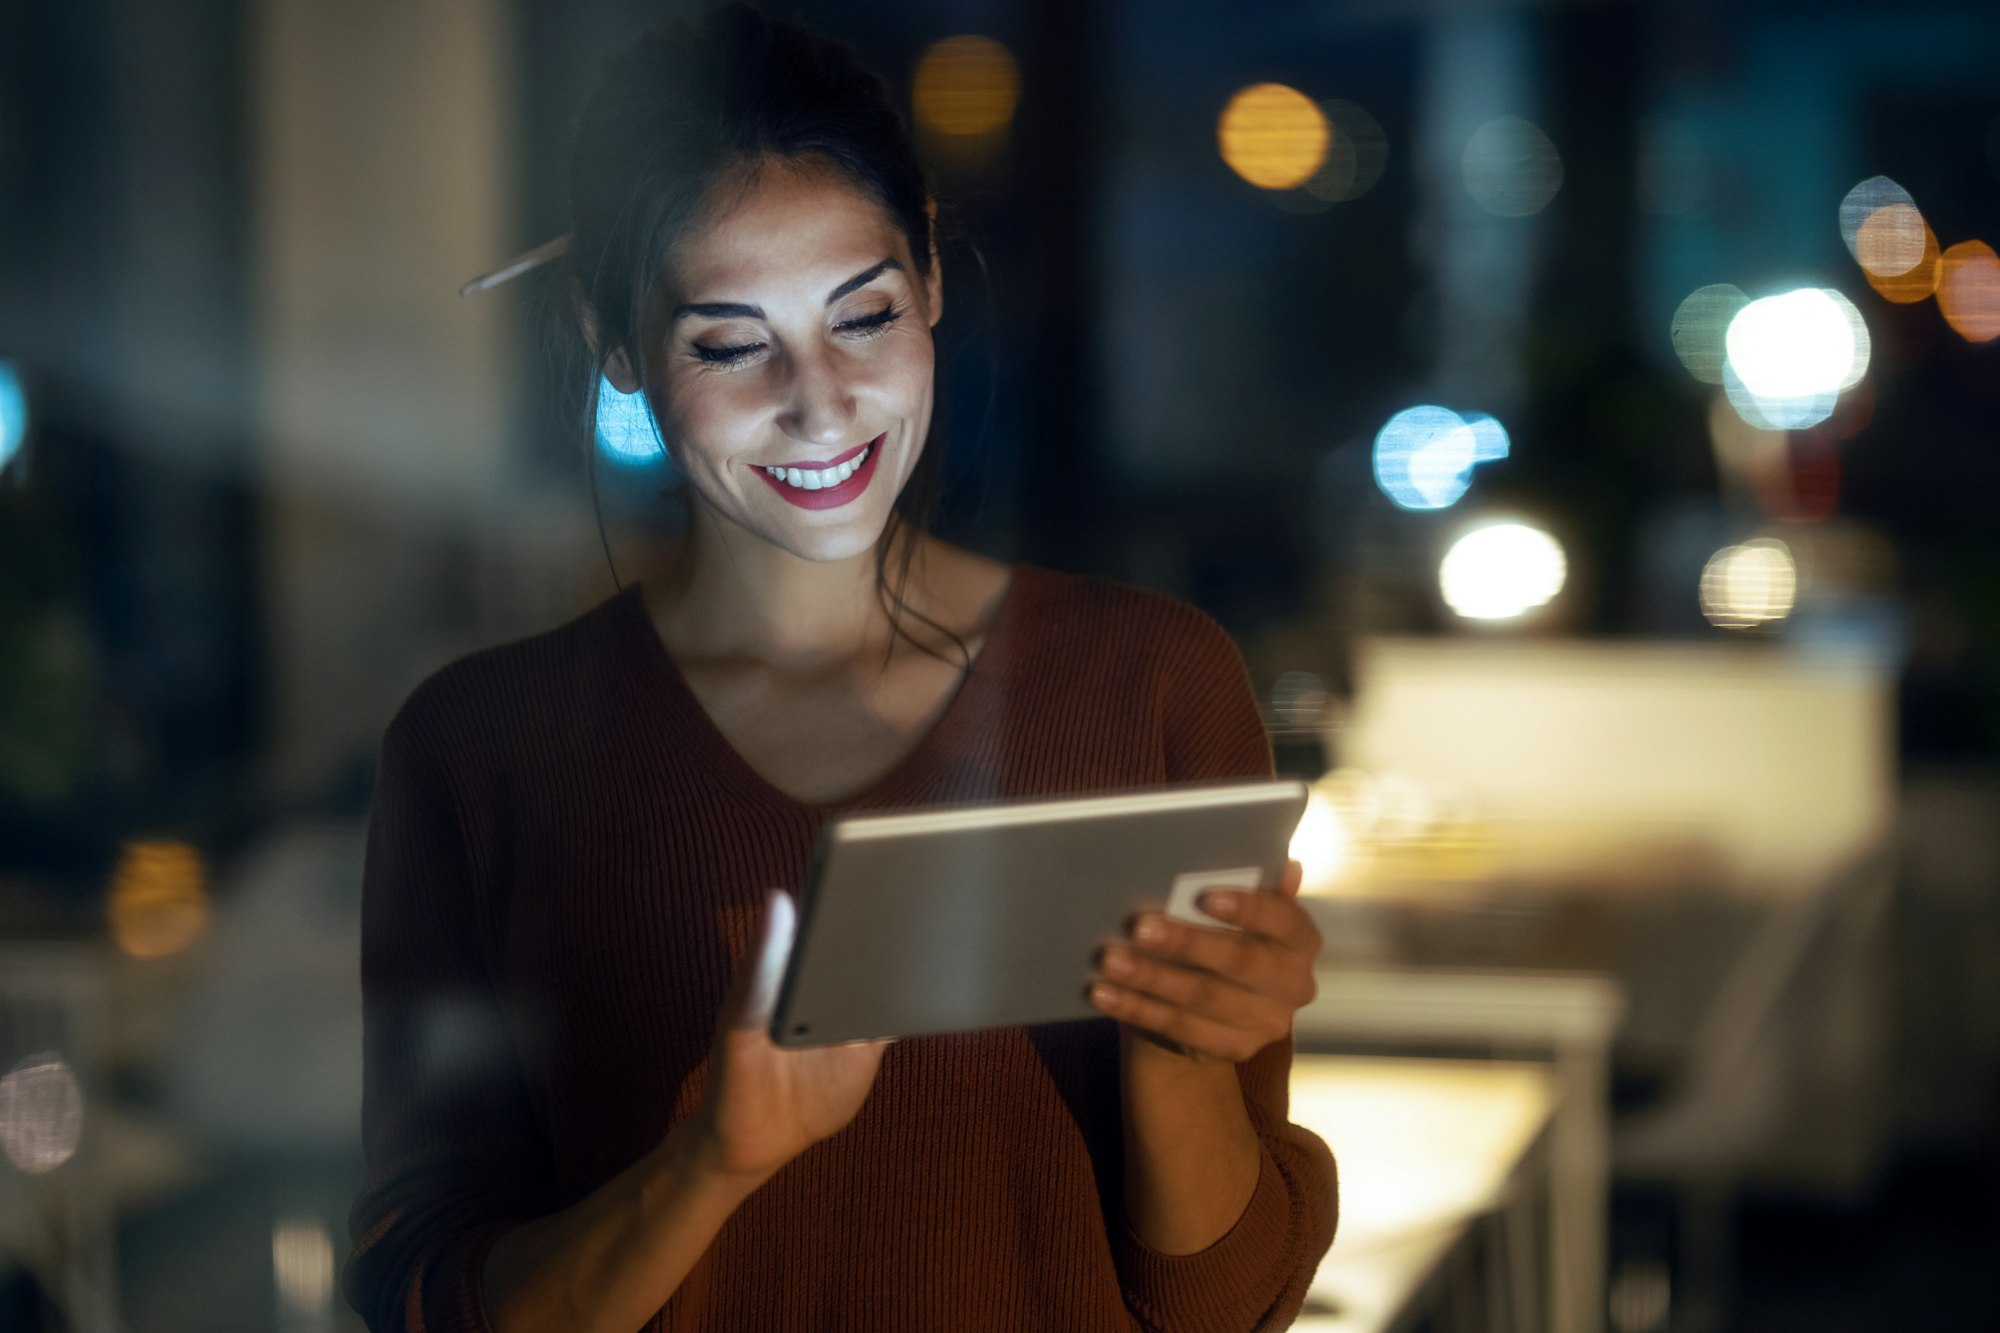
[1213,994]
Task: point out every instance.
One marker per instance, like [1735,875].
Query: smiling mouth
[829,484]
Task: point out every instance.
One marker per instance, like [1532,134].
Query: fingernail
[1149,930]
[1219,903]
[1117,962]
[1102,995]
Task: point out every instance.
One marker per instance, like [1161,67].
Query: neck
[731,595]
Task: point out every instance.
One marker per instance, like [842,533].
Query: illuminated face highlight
[791,364]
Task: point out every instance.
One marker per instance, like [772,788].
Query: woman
[573,1117]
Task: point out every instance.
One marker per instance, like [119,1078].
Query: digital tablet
[970,917]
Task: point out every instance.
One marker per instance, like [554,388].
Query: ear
[934,277]
[617,366]
[618,369]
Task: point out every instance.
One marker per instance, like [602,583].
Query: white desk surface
[1423,1147]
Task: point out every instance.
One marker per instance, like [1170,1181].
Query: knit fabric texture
[566,860]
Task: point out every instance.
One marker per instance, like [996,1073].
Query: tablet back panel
[957,920]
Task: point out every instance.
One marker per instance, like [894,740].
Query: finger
[1252,962]
[1191,1032]
[1294,876]
[763,971]
[1271,915]
[1199,992]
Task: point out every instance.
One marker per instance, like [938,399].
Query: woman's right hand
[767,1104]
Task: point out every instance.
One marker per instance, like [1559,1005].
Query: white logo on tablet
[1181,899]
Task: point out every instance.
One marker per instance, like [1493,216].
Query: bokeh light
[1273,136]
[966,85]
[1790,356]
[625,429]
[1298,698]
[1916,282]
[1891,241]
[1700,324]
[302,1264]
[1357,152]
[1511,168]
[1968,290]
[1502,571]
[1863,202]
[41,1113]
[1752,584]
[159,904]
[1424,455]
[13,413]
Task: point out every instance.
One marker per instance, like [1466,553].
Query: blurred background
[1585,415]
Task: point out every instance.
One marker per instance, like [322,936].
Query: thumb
[1288,883]
[755,993]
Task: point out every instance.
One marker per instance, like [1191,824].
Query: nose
[820,407]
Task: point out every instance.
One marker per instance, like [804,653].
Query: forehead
[781,230]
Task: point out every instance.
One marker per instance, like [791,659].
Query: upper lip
[831,462]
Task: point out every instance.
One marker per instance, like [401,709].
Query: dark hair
[674,115]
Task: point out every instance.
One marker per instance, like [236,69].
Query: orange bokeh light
[1273,136]
[1914,283]
[1968,290]
[965,86]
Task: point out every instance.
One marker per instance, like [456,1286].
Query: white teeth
[817,479]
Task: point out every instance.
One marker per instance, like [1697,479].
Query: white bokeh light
[1749,585]
[1502,571]
[41,1113]
[1795,345]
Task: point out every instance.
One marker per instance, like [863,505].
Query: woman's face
[792,367]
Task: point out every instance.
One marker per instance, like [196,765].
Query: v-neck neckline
[727,764]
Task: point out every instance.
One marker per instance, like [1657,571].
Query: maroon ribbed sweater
[565,858]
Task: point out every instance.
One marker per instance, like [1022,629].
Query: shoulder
[1125,616]
[478,700]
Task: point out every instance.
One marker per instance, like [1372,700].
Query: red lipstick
[831,497]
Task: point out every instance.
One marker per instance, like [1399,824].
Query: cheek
[709,417]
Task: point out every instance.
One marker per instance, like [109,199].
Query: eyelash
[864,326]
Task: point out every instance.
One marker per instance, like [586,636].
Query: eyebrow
[734,310]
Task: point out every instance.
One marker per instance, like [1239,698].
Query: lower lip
[833,496]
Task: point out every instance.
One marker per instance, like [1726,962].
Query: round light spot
[1298,698]
[1749,585]
[1511,168]
[1424,455]
[1502,571]
[1273,136]
[966,85]
[1700,323]
[1968,291]
[1891,241]
[159,901]
[1863,201]
[1797,345]
[1914,283]
[41,1114]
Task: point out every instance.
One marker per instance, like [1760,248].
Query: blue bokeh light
[1424,455]
[13,413]
[626,432]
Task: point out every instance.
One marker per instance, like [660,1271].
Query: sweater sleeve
[1256,1275]
[453,1154]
